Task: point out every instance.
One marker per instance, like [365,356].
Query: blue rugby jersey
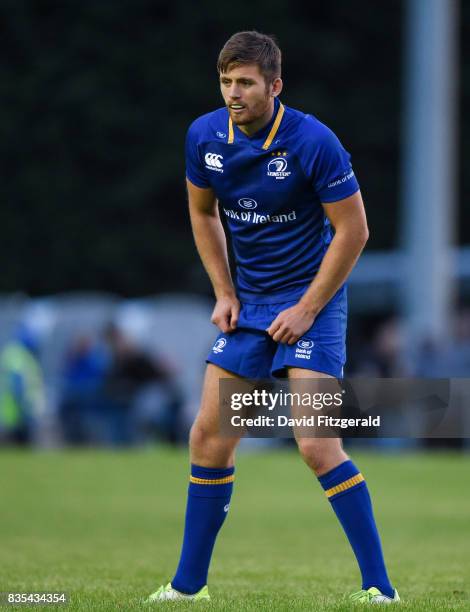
[270,188]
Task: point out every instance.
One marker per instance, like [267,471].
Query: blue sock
[209,495]
[347,491]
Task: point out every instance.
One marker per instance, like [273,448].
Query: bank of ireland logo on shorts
[219,345]
[214,162]
[303,350]
[277,168]
[247,203]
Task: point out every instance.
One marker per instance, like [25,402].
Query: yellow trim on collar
[275,127]
[272,132]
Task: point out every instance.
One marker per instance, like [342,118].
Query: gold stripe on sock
[215,481]
[344,486]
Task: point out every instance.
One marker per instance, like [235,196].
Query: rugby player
[297,222]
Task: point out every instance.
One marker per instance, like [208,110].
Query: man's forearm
[212,248]
[339,260]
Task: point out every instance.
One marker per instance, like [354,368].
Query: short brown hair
[251,48]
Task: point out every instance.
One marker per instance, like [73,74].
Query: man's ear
[276,87]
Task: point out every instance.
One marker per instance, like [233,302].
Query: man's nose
[234,92]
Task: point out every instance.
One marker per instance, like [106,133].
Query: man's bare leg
[320,454]
[210,488]
[207,448]
[347,491]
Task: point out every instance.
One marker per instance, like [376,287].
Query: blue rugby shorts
[250,352]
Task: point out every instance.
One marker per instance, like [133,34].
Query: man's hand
[225,314]
[291,324]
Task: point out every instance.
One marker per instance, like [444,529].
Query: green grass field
[106,528]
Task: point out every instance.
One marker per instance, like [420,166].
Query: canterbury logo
[213,160]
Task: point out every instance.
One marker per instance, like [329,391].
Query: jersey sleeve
[195,170]
[332,175]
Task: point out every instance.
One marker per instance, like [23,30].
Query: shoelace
[361,596]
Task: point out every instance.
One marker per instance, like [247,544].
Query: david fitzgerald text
[314,420]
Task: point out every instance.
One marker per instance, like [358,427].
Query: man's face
[246,94]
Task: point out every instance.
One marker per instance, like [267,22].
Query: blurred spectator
[86,367]
[450,359]
[114,393]
[381,356]
[141,398]
[22,393]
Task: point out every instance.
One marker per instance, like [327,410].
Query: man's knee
[206,441]
[200,435]
[310,453]
[321,454]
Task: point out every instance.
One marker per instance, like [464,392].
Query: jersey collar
[272,131]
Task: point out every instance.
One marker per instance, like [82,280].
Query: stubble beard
[250,116]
